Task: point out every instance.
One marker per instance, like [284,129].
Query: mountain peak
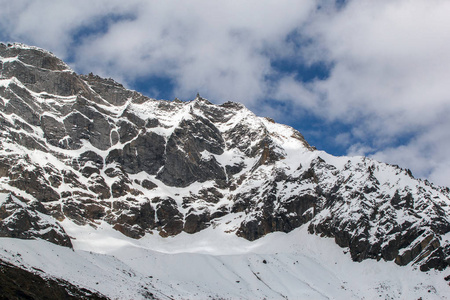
[89,151]
[32,57]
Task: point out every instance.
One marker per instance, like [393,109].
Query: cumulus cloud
[215,48]
[388,61]
[52,24]
[389,80]
[426,154]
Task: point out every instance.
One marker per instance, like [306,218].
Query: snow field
[215,264]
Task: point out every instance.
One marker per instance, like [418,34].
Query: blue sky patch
[153,86]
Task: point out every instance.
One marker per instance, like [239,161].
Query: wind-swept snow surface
[212,264]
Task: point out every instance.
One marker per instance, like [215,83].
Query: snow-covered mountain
[131,197]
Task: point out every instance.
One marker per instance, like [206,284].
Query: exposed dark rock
[54,131]
[145,153]
[33,182]
[185,163]
[55,210]
[152,123]
[402,243]
[5,164]
[43,79]
[148,184]
[132,231]
[269,220]
[114,137]
[17,283]
[196,221]
[74,210]
[34,57]
[170,220]
[77,127]
[55,180]
[133,118]
[114,172]
[21,101]
[27,141]
[99,186]
[96,127]
[23,125]
[71,179]
[210,195]
[94,211]
[92,157]
[121,187]
[112,91]
[222,211]
[438,259]
[234,169]
[134,220]
[87,171]
[268,153]
[127,131]
[399,202]
[21,220]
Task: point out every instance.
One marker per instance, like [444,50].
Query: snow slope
[212,264]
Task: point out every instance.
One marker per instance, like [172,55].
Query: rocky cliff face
[87,149]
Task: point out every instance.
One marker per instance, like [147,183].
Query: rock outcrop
[29,220]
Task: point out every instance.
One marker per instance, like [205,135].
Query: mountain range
[106,193]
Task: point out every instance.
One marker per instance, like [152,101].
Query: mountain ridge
[84,148]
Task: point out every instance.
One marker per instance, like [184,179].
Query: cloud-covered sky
[358,77]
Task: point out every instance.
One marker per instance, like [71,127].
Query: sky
[354,77]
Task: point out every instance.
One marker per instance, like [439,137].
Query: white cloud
[390,79]
[343,139]
[390,59]
[306,95]
[214,48]
[359,149]
[426,154]
[51,24]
